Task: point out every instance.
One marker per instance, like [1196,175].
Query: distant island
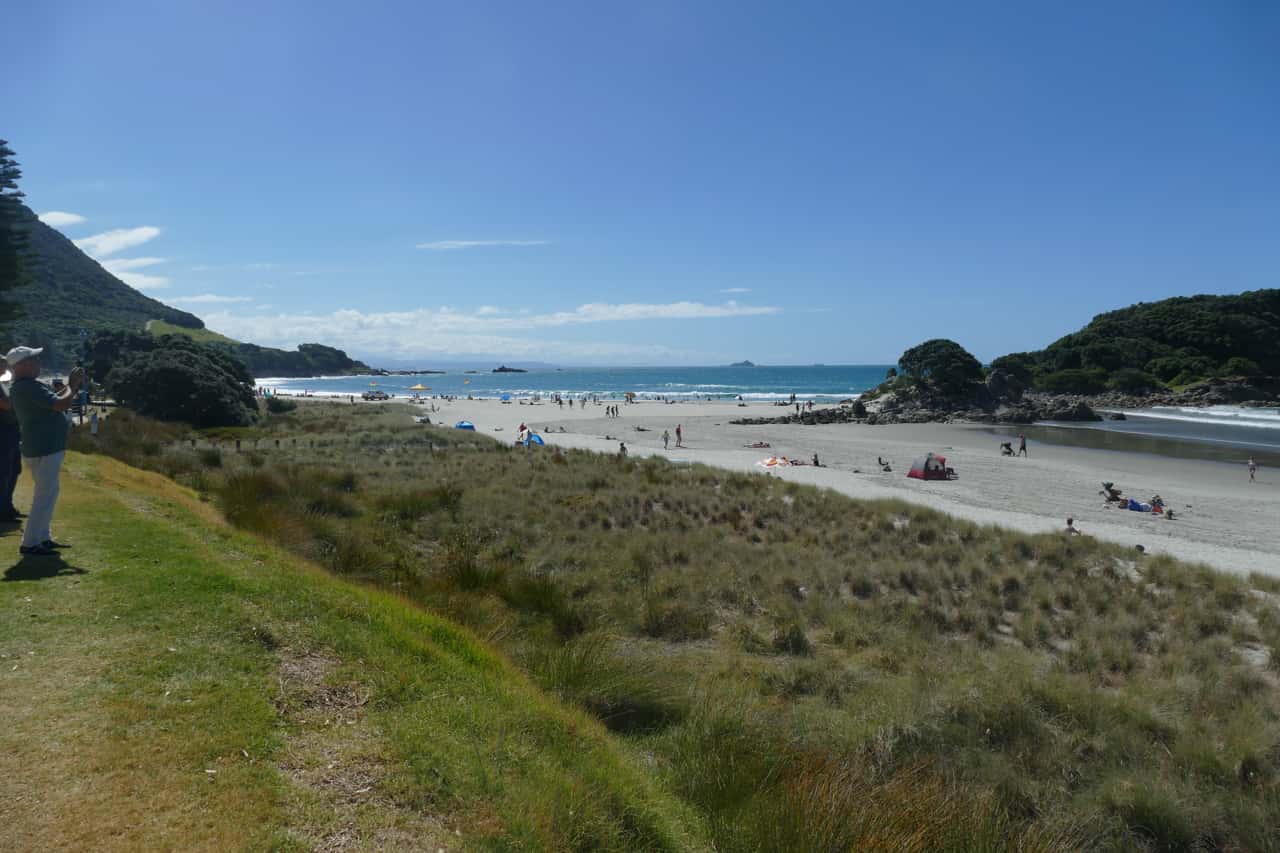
[742,364]
[505,369]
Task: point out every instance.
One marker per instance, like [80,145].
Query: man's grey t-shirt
[44,431]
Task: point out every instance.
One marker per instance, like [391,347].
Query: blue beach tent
[534,438]
[506,398]
[465,425]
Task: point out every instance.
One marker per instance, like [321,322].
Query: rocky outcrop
[1002,400]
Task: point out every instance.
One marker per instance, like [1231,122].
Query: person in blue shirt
[42,418]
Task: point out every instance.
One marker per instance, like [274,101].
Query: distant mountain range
[69,294]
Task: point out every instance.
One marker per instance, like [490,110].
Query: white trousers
[44,470]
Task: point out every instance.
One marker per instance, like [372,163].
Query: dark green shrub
[1074,381]
[1130,380]
[280,406]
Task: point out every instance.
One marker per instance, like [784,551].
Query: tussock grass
[773,646]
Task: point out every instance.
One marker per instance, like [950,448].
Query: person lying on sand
[757,445]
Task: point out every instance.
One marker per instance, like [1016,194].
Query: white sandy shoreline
[1221,519]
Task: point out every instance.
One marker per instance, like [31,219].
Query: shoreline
[1220,518]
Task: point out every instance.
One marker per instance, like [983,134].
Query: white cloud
[426,331]
[119,265]
[142,281]
[444,245]
[736,290]
[110,242]
[208,299]
[60,218]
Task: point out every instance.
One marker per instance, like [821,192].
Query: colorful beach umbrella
[419,387]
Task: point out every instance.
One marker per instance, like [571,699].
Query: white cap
[17,355]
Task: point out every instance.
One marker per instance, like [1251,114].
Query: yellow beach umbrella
[419,387]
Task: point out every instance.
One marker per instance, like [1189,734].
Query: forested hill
[68,291]
[1175,341]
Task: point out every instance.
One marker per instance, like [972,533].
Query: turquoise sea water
[817,383]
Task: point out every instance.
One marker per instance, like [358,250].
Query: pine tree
[13,235]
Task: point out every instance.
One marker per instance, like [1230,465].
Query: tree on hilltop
[941,363]
[13,239]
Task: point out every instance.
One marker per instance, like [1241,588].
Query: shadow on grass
[39,568]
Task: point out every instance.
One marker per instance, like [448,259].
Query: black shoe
[50,544]
[36,551]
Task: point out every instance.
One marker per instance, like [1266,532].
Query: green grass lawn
[174,683]
[203,336]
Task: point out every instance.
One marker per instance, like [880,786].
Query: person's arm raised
[66,398]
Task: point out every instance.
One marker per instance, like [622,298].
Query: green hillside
[1174,341]
[201,336]
[68,291]
[176,684]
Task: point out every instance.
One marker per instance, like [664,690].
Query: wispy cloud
[736,290]
[119,239]
[424,332]
[60,218]
[208,299]
[125,269]
[446,245]
[143,281]
[119,265]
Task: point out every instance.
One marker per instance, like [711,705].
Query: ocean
[820,383]
[1218,433]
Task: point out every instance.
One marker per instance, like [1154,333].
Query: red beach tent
[929,467]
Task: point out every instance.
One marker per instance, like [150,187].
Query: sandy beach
[1220,518]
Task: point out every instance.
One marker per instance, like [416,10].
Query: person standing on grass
[1022,445]
[42,419]
[1253,470]
[10,457]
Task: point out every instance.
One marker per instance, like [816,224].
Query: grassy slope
[203,336]
[179,684]
[810,672]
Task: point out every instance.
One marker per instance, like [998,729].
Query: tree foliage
[1177,341]
[174,378]
[13,235]
[308,360]
[943,364]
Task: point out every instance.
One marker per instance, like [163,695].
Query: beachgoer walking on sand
[1253,469]
[42,418]
[1022,445]
[666,439]
[679,436]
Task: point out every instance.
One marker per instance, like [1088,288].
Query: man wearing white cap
[44,426]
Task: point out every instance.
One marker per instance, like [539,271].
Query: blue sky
[650,183]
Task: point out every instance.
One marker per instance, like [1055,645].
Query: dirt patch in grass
[339,767]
